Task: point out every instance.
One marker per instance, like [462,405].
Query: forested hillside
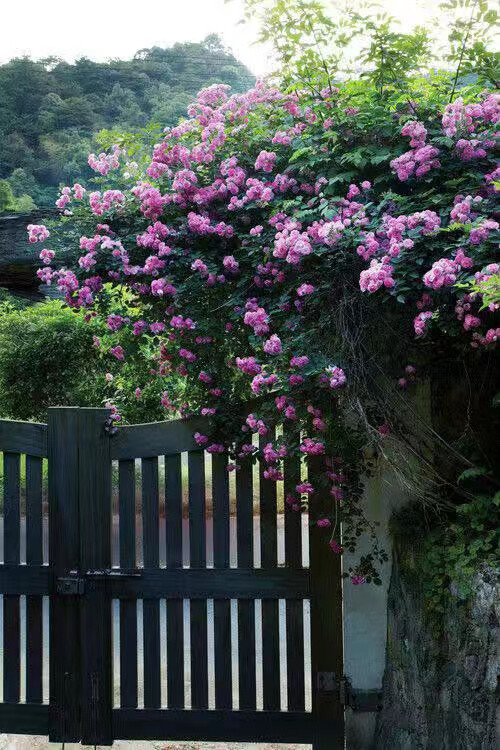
[50,110]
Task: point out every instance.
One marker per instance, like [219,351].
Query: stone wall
[441,683]
[18,258]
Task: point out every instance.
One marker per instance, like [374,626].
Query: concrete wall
[365,610]
[365,607]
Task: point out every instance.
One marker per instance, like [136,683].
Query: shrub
[47,358]
[44,351]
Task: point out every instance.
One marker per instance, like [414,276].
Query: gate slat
[175,616]
[270,608]
[173,509]
[295,654]
[151,607]
[222,607]
[197,545]
[11,624]
[246,607]
[34,556]
[64,554]
[94,492]
[326,620]
[293,559]
[128,607]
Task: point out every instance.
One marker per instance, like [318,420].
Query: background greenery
[47,358]
[50,110]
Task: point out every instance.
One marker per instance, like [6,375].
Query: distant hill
[50,109]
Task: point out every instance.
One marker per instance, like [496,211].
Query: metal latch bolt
[73,584]
[70,585]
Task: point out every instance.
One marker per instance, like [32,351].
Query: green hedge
[46,359]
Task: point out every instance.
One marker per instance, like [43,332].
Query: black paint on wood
[197,527]
[199,654]
[23,437]
[95,553]
[24,718]
[246,608]
[157,438]
[293,560]
[175,616]
[64,555]
[34,556]
[151,607]
[244,514]
[228,726]
[175,653]
[222,607]
[326,623]
[24,579]
[173,510]
[11,619]
[198,609]
[268,513]
[210,583]
[270,608]
[79,453]
[128,608]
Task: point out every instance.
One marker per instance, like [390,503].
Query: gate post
[94,477]
[79,459]
[64,555]
[327,643]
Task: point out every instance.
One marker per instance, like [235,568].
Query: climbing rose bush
[244,262]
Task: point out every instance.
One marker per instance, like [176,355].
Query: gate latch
[70,585]
[73,584]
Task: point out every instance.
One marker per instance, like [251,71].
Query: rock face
[18,258]
[441,689]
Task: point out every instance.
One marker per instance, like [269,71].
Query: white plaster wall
[365,610]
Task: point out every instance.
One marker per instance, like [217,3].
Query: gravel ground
[18,742]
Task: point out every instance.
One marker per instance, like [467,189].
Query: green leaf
[300,152]
[475,471]
[379,158]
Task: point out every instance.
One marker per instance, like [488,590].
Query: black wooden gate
[130,681]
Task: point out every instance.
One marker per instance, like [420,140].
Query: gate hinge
[70,585]
[357,700]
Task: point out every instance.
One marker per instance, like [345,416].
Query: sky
[103,29]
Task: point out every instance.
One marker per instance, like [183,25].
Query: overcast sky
[101,29]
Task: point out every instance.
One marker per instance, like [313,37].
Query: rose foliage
[276,249]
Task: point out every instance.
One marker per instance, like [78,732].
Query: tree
[6,196]
[167,105]
[121,106]
[21,182]
[15,152]
[24,204]
[42,100]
